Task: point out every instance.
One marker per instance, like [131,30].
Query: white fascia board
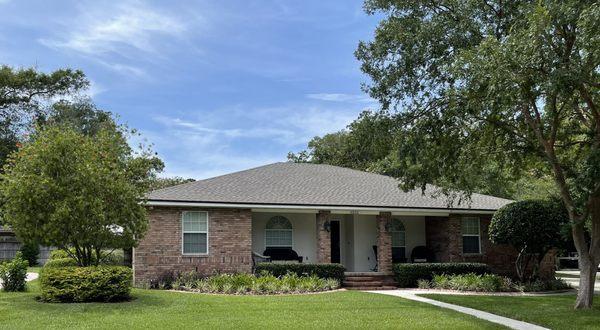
[315,209]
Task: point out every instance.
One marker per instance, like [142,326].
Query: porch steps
[369,281]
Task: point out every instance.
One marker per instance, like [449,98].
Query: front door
[335,242]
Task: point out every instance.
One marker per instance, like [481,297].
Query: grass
[164,309]
[552,311]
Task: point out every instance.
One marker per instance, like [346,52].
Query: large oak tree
[509,84]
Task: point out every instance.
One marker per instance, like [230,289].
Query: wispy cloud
[340,97]
[129,31]
[128,25]
[222,141]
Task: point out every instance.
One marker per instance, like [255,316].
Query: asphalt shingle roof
[312,184]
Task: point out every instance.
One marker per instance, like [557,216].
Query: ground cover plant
[265,283]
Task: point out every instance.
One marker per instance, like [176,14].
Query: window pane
[194,221]
[398,238]
[470,244]
[276,237]
[194,243]
[470,226]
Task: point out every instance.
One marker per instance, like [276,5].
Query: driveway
[572,277]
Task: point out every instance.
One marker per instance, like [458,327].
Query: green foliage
[109,258]
[81,115]
[22,96]
[85,284]
[159,183]
[472,282]
[30,252]
[58,254]
[532,227]
[490,283]
[335,271]
[251,284]
[67,189]
[60,262]
[13,274]
[408,275]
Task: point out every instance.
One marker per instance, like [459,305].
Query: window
[278,232]
[470,235]
[195,232]
[398,238]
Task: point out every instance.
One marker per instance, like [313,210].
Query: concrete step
[362,278]
[368,283]
[367,288]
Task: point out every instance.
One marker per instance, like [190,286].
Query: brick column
[384,242]
[323,238]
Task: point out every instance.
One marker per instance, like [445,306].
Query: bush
[63,262]
[491,283]
[325,271]
[252,284]
[85,284]
[14,274]
[58,254]
[471,282]
[113,258]
[407,275]
[30,252]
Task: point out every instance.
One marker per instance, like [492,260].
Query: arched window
[278,232]
[398,237]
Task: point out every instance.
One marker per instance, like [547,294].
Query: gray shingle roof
[312,184]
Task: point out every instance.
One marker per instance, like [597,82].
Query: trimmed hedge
[62,262]
[334,271]
[85,284]
[407,275]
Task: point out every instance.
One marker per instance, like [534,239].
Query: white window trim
[398,231]
[291,246]
[472,235]
[195,232]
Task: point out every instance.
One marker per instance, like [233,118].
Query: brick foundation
[323,238]
[444,238]
[229,239]
[384,242]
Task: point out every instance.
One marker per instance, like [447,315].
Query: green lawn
[554,311]
[173,310]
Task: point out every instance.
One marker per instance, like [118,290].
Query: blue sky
[215,86]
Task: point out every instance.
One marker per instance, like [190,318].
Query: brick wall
[384,242]
[323,238]
[229,239]
[444,238]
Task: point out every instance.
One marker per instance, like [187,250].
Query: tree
[512,85]
[71,190]
[23,93]
[533,228]
[159,183]
[81,115]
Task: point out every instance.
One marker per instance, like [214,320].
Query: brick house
[316,214]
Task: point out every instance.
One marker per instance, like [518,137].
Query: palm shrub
[14,274]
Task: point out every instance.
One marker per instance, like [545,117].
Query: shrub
[85,284]
[470,282]
[492,283]
[30,252]
[335,271]
[14,274]
[58,254]
[252,284]
[63,262]
[113,258]
[407,275]
[164,281]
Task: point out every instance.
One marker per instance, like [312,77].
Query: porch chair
[282,254]
[422,254]
[258,258]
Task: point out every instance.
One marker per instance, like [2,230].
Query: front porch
[360,242]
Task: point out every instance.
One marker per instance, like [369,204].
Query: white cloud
[340,97]
[129,25]
[228,140]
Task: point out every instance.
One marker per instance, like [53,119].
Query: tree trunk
[587,279]
[589,256]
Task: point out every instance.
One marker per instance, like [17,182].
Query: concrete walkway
[505,321]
